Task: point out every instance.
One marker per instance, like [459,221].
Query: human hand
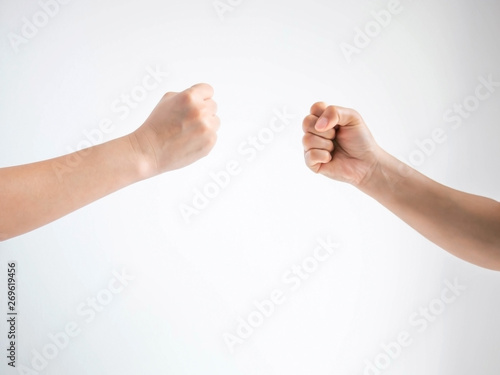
[338,144]
[180,130]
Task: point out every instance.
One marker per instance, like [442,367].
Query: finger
[210,107]
[314,158]
[213,122]
[309,122]
[216,122]
[333,116]
[318,108]
[308,126]
[204,90]
[311,141]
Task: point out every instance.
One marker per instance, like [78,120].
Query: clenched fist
[338,144]
[181,129]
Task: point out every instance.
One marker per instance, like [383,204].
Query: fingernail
[321,123]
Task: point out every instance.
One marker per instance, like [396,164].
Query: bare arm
[35,194]
[341,147]
[466,225]
[180,130]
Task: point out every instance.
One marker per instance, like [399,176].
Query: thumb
[334,115]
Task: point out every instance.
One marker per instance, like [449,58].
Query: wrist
[141,156]
[384,176]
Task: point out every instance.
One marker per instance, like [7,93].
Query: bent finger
[311,141]
[334,115]
[314,158]
[308,126]
[318,108]
[204,90]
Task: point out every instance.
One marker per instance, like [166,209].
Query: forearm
[180,130]
[35,194]
[466,225]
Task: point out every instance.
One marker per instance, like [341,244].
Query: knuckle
[317,105]
[332,110]
[356,114]
[204,131]
[211,140]
[216,122]
[306,140]
[306,123]
[187,98]
[209,143]
[195,112]
[168,94]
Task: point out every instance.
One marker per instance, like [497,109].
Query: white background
[193,280]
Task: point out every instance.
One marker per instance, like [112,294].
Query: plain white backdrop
[194,281]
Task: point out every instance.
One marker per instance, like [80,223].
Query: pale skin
[180,130]
[338,144]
